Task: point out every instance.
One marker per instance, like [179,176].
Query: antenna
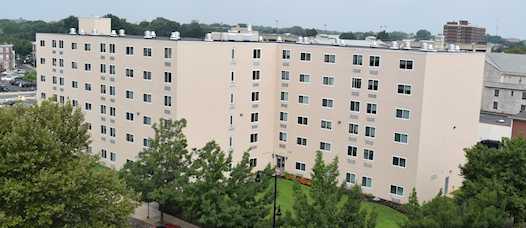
[497,26]
[277,28]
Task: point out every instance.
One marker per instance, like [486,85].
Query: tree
[496,176]
[319,206]
[348,36]
[423,34]
[311,32]
[441,211]
[162,170]
[383,36]
[47,179]
[398,35]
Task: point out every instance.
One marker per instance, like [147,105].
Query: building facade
[396,119]
[504,83]
[7,57]
[462,32]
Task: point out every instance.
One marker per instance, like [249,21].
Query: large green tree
[322,205]
[423,34]
[47,179]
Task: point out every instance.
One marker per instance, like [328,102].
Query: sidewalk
[141,213]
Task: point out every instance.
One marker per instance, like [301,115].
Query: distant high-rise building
[462,32]
[7,57]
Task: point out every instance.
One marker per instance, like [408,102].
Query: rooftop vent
[72,31]
[407,44]
[147,34]
[208,37]
[300,40]
[94,32]
[279,39]
[501,121]
[153,34]
[394,45]
[121,32]
[175,36]
[113,33]
[81,32]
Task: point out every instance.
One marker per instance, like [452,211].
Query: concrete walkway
[141,213]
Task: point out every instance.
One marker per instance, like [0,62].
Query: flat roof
[495,119]
[164,38]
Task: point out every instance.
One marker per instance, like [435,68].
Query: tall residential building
[462,32]
[504,84]
[7,57]
[396,119]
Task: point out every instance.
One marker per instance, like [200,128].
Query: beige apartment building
[396,118]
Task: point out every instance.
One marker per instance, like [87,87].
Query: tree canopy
[47,179]
[423,34]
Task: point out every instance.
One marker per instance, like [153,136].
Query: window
[54,43]
[61,81]
[61,62]
[112,48]
[398,161]
[112,111]
[302,99]
[113,132]
[303,120]
[370,131]
[496,93]
[146,120]
[523,108]
[301,141]
[402,114]
[103,68]
[129,50]
[357,60]
[256,75]
[73,46]
[147,98]
[356,83]
[327,80]
[355,106]
[74,65]
[371,108]
[397,190]
[352,151]
[283,116]
[329,58]
[147,52]
[350,178]
[129,94]
[254,117]
[129,116]
[325,124]
[112,90]
[305,56]
[112,69]
[353,129]
[168,77]
[327,103]
[284,96]
[524,95]
[400,138]
[232,76]
[283,136]
[42,43]
[42,78]
[325,146]
[404,89]
[147,142]
[42,61]
[372,85]
[300,166]
[113,156]
[255,96]
[406,64]
[147,75]
[129,73]
[54,62]
[368,154]
[104,153]
[374,61]
[60,44]
[256,54]
[285,75]
[253,162]
[167,53]
[129,137]
[87,106]
[167,101]
[253,137]
[367,182]
[305,78]
[74,102]
[285,54]
[87,67]
[54,79]
[74,84]
[102,47]
[87,86]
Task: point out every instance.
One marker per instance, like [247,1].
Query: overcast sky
[342,15]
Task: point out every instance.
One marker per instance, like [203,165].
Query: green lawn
[387,217]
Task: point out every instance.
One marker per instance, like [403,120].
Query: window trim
[327,120]
[379,62]
[406,65]
[374,91]
[394,194]
[348,130]
[324,107]
[352,62]
[365,132]
[401,133]
[359,106]
[299,170]
[328,76]
[357,149]
[372,104]
[304,125]
[398,166]
[403,109]
[306,52]
[355,178]
[326,142]
[369,149]
[329,53]
[361,83]
[367,187]
[304,83]
[308,99]
[306,141]
[403,94]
